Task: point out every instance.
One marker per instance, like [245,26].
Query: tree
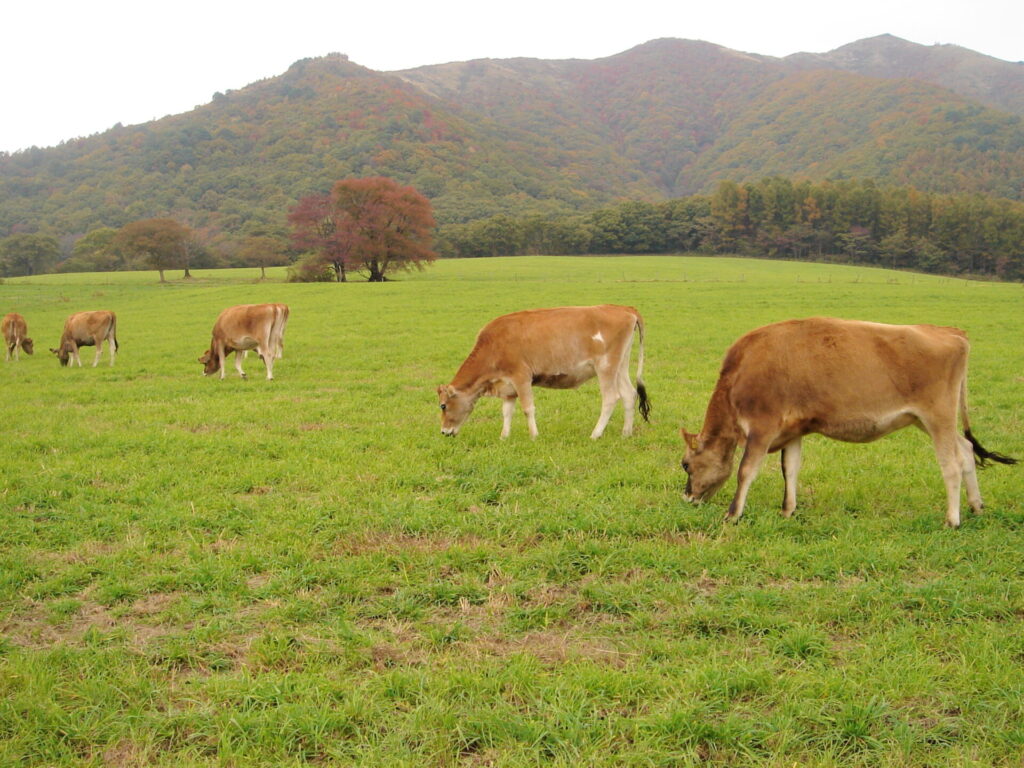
[385,227]
[372,225]
[315,228]
[94,252]
[160,243]
[26,254]
[263,251]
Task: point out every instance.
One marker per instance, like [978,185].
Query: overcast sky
[76,68]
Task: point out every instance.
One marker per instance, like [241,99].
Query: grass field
[197,572]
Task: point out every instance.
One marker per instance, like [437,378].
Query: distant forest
[854,222]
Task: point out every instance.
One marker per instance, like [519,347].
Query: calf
[845,379]
[247,326]
[87,329]
[558,348]
[15,333]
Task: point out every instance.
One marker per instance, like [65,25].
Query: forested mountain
[984,79]
[525,136]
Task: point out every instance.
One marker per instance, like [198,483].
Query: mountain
[666,118]
[986,80]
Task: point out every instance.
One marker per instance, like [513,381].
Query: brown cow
[87,329]
[558,348]
[15,330]
[845,379]
[247,326]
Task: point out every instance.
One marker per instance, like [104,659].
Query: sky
[71,68]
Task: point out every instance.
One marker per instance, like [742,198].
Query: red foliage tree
[315,228]
[374,225]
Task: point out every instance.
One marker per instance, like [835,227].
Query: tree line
[371,226]
[161,244]
[375,227]
[847,221]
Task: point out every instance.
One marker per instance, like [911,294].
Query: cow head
[64,353]
[26,344]
[455,408]
[707,467]
[210,361]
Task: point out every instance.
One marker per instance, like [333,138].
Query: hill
[989,81]
[666,118]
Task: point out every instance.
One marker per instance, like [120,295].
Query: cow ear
[691,440]
[55,351]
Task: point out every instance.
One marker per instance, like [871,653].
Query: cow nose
[448,432]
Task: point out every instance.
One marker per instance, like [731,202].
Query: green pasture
[196,572]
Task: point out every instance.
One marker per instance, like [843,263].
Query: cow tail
[113,333]
[982,456]
[641,390]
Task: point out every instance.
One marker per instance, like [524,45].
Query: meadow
[196,572]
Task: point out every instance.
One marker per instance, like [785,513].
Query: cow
[848,380]
[87,329]
[558,348]
[15,330]
[247,326]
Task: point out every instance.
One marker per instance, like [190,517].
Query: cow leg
[8,349]
[268,360]
[970,475]
[607,379]
[113,349]
[525,390]
[791,456]
[238,364]
[750,465]
[628,395]
[99,353]
[75,354]
[949,452]
[508,407]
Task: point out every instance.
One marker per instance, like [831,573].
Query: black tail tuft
[645,402]
[982,456]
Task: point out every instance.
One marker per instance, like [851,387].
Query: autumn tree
[373,225]
[315,228]
[386,227]
[159,243]
[263,251]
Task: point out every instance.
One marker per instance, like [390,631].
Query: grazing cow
[247,326]
[845,379]
[15,330]
[87,329]
[558,348]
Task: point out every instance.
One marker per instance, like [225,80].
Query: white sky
[76,67]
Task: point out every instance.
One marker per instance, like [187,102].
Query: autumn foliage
[160,243]
[374,226]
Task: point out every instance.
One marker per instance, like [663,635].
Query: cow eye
[686,467]
[444,407]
